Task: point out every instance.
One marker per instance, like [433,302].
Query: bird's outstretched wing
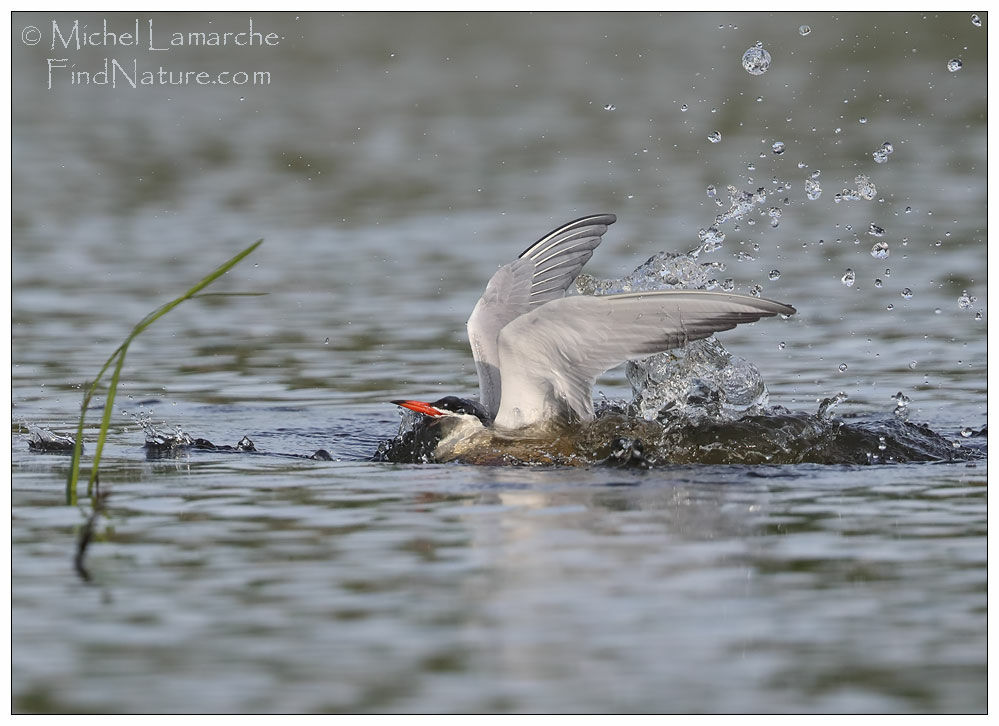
[540,275]
[550,357]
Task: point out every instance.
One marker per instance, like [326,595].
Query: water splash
[701,381]
[711,239]
[741,203]
[865,190]
[164,439]
[901,406]
[666,270]
[826,405]
[42,440]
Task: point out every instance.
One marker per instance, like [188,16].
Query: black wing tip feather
[604,220]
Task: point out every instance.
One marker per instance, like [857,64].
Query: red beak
[420,407]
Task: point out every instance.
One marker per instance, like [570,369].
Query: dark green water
[391,164]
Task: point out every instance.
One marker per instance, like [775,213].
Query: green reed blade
[119,353]
[106,420]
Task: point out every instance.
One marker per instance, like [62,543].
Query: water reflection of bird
[538,353]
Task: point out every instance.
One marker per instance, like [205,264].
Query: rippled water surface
[391,164]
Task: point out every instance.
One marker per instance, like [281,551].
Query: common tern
[538,352]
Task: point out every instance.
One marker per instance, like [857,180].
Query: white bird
[538,353]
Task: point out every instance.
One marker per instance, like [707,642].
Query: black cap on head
[454,404]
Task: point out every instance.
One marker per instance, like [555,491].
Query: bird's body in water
[538,353]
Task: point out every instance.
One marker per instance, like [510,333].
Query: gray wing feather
[540,275]
[551,356]
[565,251]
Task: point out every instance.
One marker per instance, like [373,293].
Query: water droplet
[877,282]
[813,190]
[774,213]
[966,432]
[756,60]
[954,65]
[976,21]
[849,277]
[875,231]
[965,301]
[880,250]
[774,274]
[756,290]
[863,119]
[912,365]
[610,107]
[684,108]
[881,154]
[714,137]
[889,307]
[804,30]
[842,367]
[907,293]
[881,443]
[781,345]
[865,187]
[326,342]
[978,315]
[712,191]
[728,285]
[778,147]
